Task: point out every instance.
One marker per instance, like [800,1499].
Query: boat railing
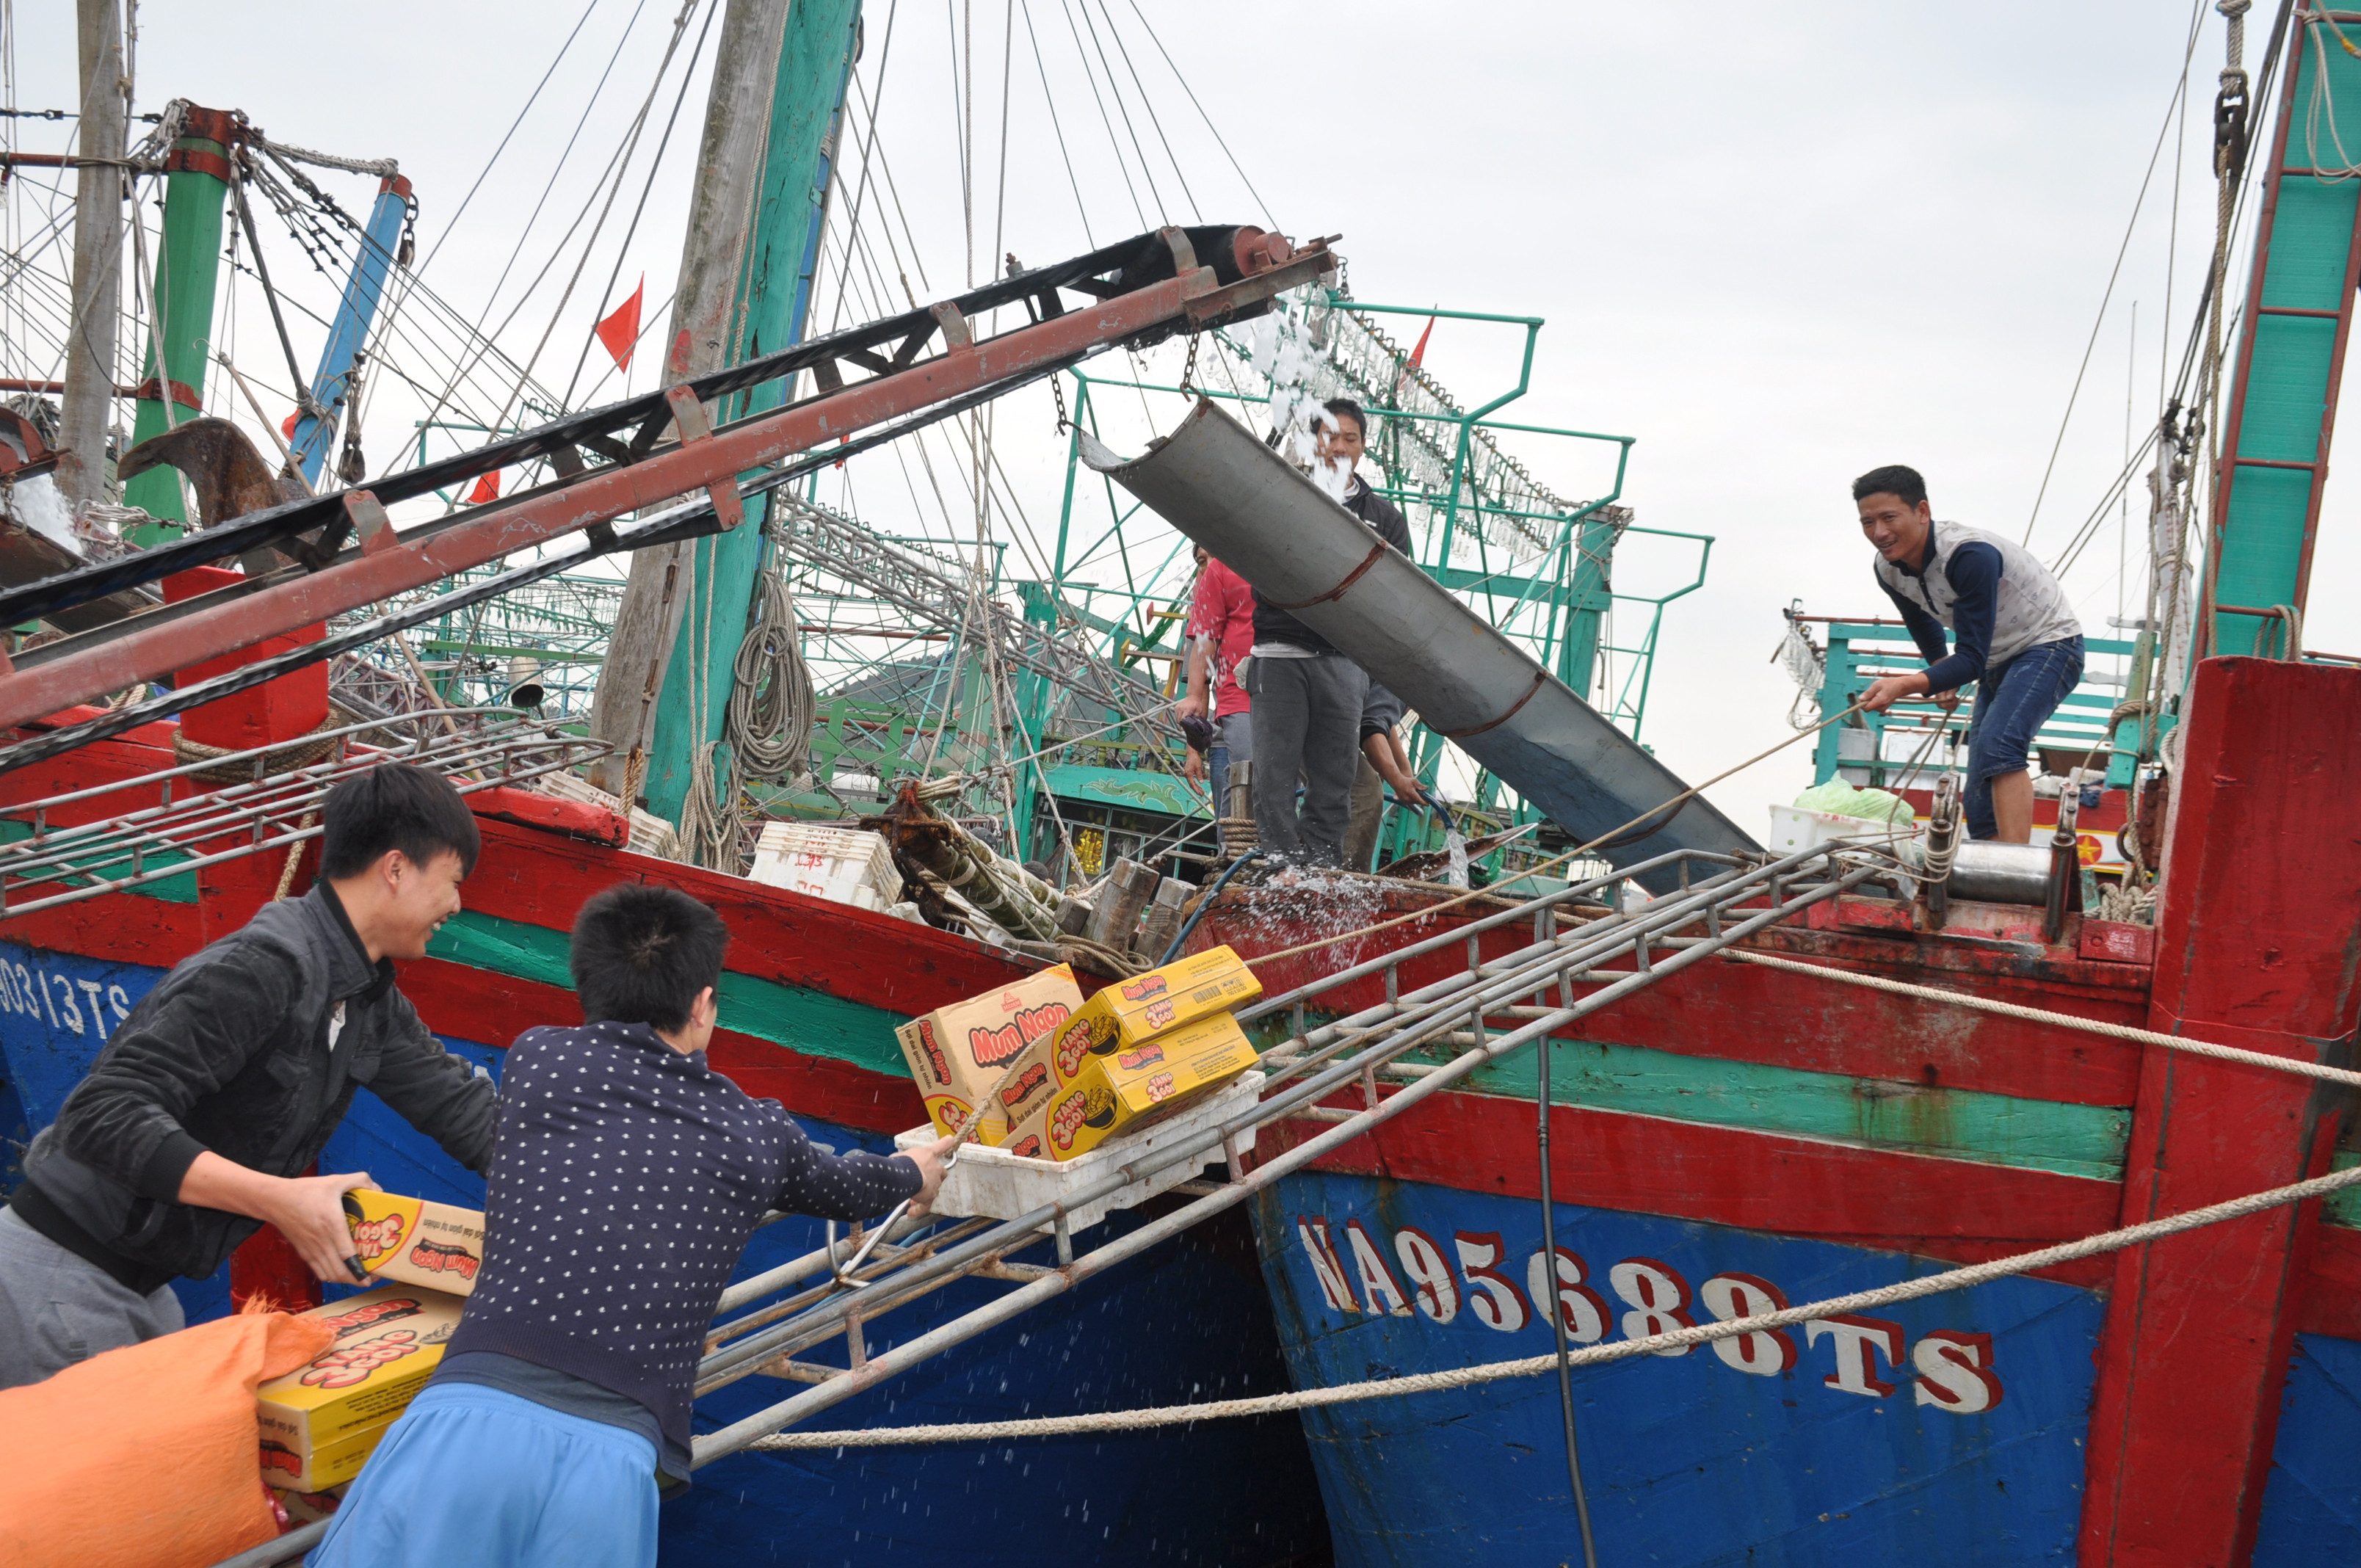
[1530,991]
[275,807]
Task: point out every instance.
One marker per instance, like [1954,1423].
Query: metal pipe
[1216,482]
[2064,865]
[1992,873]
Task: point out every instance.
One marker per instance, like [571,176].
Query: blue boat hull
[1947,1431]
[1188,1320]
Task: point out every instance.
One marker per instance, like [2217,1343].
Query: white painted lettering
[1322,1253]
[1658,1297]
[73,1013]
[1766,1353]
[1380,1291]
[1583,1309]
[117,999]
[1858,1343]
[97,1019]
[1954,1372]
[1435,1286]
[1493,1297]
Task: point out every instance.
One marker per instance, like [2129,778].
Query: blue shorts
[2013,702]
[476,1474]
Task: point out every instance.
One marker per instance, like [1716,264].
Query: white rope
[2060,1020]
[772,704]
[383,168]
[1589,1356]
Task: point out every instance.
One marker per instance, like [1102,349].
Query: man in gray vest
[2014,633]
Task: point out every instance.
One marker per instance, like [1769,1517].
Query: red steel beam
[396,567]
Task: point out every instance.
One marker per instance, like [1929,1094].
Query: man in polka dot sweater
[626,1176]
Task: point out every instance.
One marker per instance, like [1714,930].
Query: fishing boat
[1651,1078]
[133,826]
[1825,1107]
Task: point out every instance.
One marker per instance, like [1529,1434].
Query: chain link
[1058,391]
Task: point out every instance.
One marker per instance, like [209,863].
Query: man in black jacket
[1307,695]
[220,1088]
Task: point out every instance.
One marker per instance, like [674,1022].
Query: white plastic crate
[993,1184]
[845,865]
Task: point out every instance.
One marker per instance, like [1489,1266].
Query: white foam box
[993,1184]
[1794,828]
[845,865]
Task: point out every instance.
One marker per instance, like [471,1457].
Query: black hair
[1346,408]
[395,806]
[1893,479]
[642,954]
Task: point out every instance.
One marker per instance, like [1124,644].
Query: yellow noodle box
[321,1420]
[1127,1088]
[438,1245]
[1126,1013]
[957,1053]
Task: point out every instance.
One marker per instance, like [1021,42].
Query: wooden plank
[1725,1176]
[1745,1013]
[492,1009]
[538,879]
[2254,948]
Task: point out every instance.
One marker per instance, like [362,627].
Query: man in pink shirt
[1220,634]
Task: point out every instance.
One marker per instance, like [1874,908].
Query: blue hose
[1204,904]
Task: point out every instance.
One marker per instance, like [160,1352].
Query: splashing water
[1291,351]
[1454,847]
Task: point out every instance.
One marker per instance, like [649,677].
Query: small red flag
[1417,357]
[621,332]
[288,430]
[488,489]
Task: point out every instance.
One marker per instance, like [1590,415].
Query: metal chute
[1218,483]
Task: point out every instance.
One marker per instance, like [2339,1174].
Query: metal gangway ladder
[767,1324]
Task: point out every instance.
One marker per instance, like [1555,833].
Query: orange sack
[147,1456]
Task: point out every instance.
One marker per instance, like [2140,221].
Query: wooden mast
[778,87]
[88,402]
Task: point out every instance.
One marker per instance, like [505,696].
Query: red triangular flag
[488,489]
[1417,356]
[621,332]
[288,430]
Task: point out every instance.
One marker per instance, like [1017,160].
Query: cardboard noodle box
[1125,1014]
[321,1420]
[438,1245]
[1125,1089]
[957,1053]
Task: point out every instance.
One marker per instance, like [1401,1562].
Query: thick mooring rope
[1537,1366]
[2059,1020]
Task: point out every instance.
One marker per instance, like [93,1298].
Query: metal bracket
[369,523]
[689,418]
[1184,254]
[956,332]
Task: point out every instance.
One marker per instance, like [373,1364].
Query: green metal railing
[1858,651]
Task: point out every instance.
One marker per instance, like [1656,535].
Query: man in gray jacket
[1983,609]
[195,1124]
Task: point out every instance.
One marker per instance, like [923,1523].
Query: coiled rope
[772,704]
[1949,1280]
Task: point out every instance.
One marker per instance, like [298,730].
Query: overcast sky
[1778,246]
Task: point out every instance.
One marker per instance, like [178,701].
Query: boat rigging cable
[1135,300]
